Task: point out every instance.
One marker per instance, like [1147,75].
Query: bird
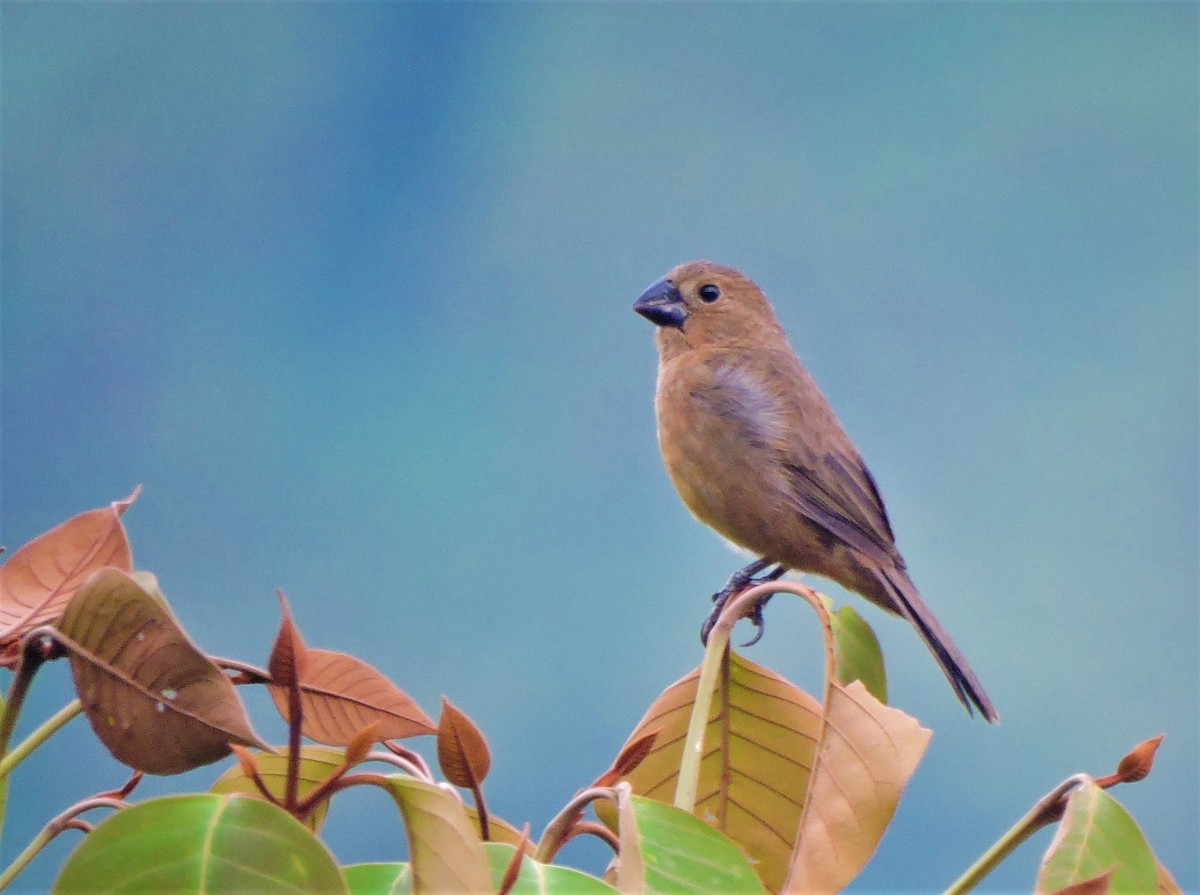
[757,453]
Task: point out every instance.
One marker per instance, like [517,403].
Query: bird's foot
[738,582]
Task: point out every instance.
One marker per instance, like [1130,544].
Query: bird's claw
[738,583]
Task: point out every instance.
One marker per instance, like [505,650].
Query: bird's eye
[709,292]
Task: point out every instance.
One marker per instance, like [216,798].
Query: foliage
[735,780]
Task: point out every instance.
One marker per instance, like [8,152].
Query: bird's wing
[829,481]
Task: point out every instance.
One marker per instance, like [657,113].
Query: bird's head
[705,305]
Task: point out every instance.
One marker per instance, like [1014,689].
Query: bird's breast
[720,427]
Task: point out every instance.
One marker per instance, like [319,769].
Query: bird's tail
[909,604]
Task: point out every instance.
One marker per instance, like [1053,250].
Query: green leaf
[447,856]
[204,843]
[856,652]
[681,853]
[316,764]
[1095,835]
[541,879]
[379,879]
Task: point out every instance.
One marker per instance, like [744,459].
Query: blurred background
[347,287]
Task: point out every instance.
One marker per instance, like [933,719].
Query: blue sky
[347,288]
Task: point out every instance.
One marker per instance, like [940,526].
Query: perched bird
[757,454]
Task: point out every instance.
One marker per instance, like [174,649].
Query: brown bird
[757,453]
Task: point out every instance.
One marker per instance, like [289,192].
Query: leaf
[1140,760]
[867,754]
[753,791]
[680,853]
[856,652]
[340,695]
[535,878]
[1096,835]
[1166,882]
[631,755]
[287,662]
[39,578]
[499,830]
[461,749]
[447,856]
[378,879]
[316,764]
[153,699]
[210,844]
[1097,885]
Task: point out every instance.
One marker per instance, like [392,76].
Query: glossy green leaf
[379,879]
[205,844]
[541,879]
[1095,835]
[681,853]
[856,652]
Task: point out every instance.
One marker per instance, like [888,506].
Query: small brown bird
[757,454]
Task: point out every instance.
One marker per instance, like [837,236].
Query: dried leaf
[631,755]
[867,754]
[462,751]
[156,702]
[341,694]
[39,578]
[1138,763]
[756,763]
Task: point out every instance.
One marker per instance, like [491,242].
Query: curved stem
[716,656]
[1037,817]
[66,821]
[558,831]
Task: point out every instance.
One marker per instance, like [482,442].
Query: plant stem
[1034,820]
[22,860]
[44,731]
[31,660]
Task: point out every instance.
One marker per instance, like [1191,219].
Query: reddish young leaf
[360,746]
[156,702]
[286,664]
[1137,764]
[39,578]
[461,749]
[340,695]
[513,870]
[632,755]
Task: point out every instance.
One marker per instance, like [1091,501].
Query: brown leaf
[756,763]
[360,746]
[513,870]
[39,578]
[632,754]
[867,753]
[156,702]
[340,695]
[1097,885]
[287,660]
[1137,764]
[461,749]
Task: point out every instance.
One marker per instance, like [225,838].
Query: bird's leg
[738,582]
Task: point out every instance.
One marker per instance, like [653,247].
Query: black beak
[662,304]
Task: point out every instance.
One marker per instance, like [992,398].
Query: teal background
[347,287]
